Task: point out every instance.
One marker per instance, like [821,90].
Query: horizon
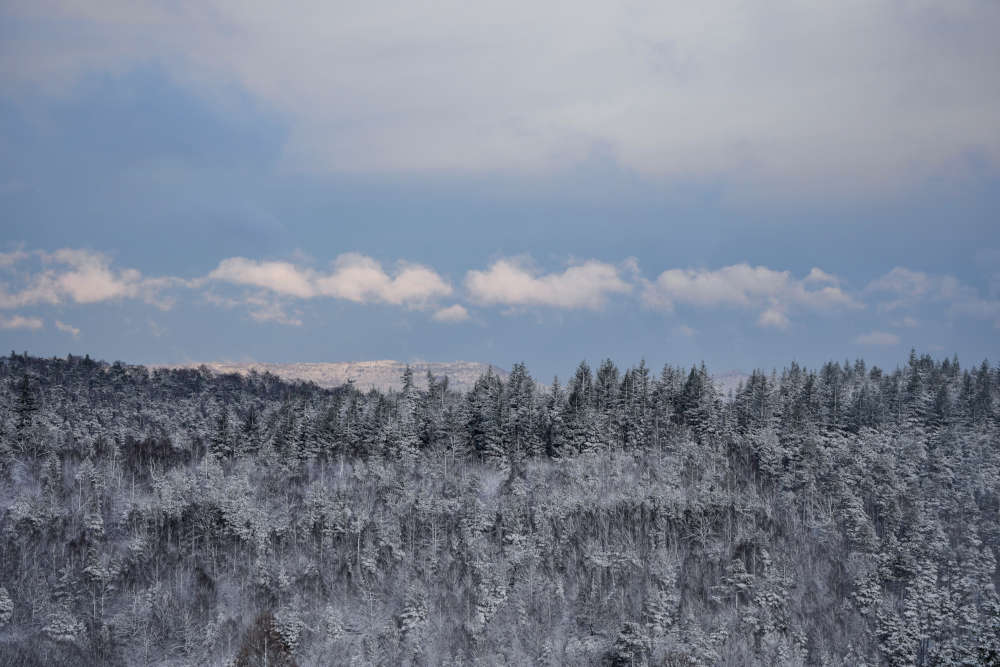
[505,367]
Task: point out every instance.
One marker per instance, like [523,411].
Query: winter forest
[840,516]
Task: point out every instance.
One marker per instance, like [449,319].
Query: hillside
[382,375]
[386,374]
[839,516]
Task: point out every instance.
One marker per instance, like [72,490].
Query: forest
[846,515]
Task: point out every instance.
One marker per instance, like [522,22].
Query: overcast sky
[740,183]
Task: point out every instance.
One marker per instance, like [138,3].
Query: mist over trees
[845,515]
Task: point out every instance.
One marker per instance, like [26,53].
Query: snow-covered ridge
[386,374]
[729,382]
[383,374]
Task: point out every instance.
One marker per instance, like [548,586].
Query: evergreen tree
[484,429]
[520,420]
[222,438]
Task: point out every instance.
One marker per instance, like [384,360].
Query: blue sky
[744,184]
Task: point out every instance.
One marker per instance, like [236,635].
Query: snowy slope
[382,375]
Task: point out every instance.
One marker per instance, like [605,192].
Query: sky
[740,183]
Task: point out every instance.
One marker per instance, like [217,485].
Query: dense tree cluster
[846,516]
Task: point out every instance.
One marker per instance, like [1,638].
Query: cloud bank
[772,293]
[78,276]
[278,291]
[903,289]
[20,322]
[353,277]
[850,95]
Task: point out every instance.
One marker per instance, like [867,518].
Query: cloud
[818,275]
[262,306]
[9,259]
[774,318]
[978,308]
[512,282]
[685,330]
[280,277]
[353,277]
[67,328]
[360,279]
[877,338]
[82,276]
[452,314]
[750,92]
[263,310]
[903,288]
[272,290]
[910,286]
[20,322]
[90,278]
[772,292]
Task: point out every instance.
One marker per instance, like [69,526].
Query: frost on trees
[847,515]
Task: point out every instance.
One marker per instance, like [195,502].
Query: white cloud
[771,292]
[83,276]
[911,286]
[90,278]
[273,288]
[512,282]
[353,277]
[361,279]
[818,275]
[280,277]
[271,311]
[20,322]
[748,91]
[877,338]
[452,314]
[685,330]
[774,318]
[262,306]
[904,288]
[9,259]
[983,309]
[67,328]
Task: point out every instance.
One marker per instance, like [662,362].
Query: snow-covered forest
[846,515]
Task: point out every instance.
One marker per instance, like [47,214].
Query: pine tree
[25,409]
[520,421]
[222,440]
[631,647]
[408,436]
[484,428]
[695,405]
[250,431]
[580,417]
[553,435]
[27,405]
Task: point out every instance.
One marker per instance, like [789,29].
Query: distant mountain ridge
[382,374]
[386,374]
[729,381]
